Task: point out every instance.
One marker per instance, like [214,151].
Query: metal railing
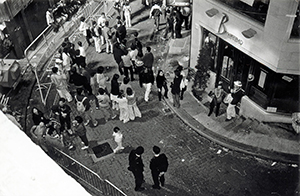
[86,175]
[42,34]
[87,11]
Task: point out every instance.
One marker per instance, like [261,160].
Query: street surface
[196,165]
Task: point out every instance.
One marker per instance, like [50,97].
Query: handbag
[228,98]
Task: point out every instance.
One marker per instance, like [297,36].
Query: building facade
[257,43]
[21,22]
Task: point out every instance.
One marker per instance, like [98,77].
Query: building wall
[271,45]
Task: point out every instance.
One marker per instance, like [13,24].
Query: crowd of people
[91,90]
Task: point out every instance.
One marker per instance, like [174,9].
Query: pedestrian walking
[80,131]
[236,94]
[96,32]
[118,136]
[218,95]
[161,82]
[123,106]
[136,166]
[158,166]
[59,79]
[66,58]
[155,13]
[133,110]
[114,91]
[83,107]
[146,81]
[175,88]
[148,58]
[127,14]
[104,105]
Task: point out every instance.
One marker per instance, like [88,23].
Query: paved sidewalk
[245,135]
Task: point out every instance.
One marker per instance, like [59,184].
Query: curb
[229,143]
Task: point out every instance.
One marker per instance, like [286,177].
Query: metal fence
[85,175]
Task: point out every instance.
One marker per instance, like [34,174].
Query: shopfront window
[227,64]
[256,9]
[296,26]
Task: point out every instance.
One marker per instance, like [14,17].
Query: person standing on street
[60,81]
[158,166]
[63,111]
[121,32]
[118,136]
[218,95]
[148,58]
[155,13]
[80,130]
[85,30]
[161,82]
[136,166]
[237,93]
[127,14]
[146,81]
[107,34]
[95,32]
[175,88]
[84,107]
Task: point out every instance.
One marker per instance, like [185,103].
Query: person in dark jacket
[87,113]
[158,166]
[118,53]
[148,58]
[80,131]
[63,111]
[237,93]
[136,166]
[178,23]
[121,32]
[38,116]
[161,82]
[146,81]
[115,91]
[138,44]
[79,80]
[175,88]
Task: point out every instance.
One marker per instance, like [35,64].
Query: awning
[179,2]
[10,8]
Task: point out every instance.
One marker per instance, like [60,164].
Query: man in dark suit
[136,166]
[158,165]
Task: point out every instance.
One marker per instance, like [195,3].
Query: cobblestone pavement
[197,166]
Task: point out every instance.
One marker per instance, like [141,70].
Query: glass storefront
[272,91]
